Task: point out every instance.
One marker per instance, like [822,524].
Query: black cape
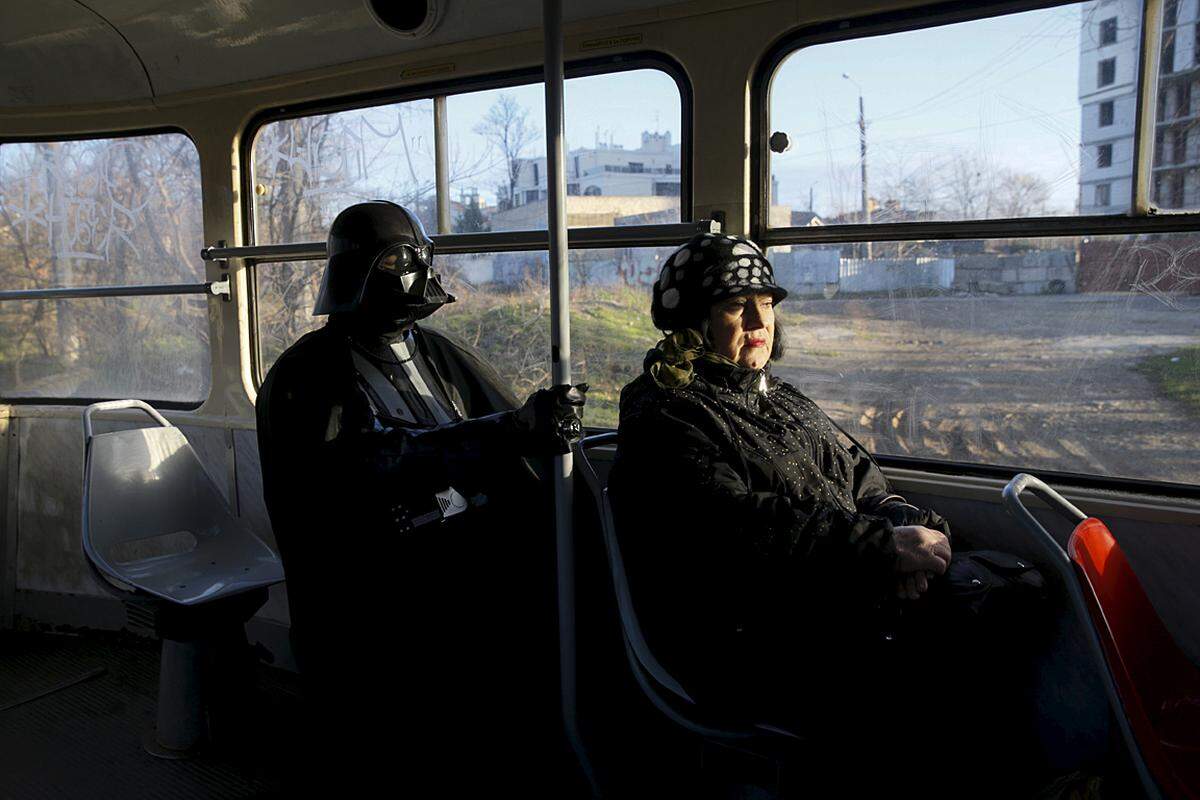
[408,626]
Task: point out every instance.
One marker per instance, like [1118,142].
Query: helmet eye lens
[399,259]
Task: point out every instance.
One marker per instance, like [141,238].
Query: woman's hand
[922,553]
[912,585]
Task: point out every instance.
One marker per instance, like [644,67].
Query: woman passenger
[765,550]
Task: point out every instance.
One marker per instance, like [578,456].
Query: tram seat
[1153,688]
[660,687]
[146,484]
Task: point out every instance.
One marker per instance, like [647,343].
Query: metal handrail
[220,287]
[118,405]
[666,235]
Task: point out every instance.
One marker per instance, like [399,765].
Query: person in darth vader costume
[401,478]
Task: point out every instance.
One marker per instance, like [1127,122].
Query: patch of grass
[610,334]
[1177,374]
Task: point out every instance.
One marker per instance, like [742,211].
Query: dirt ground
[1037,382]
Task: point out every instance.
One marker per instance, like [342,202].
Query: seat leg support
[181,720]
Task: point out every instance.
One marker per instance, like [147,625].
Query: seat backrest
[144,483]
[1159,686]
[629,621]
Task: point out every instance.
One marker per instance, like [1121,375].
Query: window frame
[492,241]
[123,133]
[1142,216]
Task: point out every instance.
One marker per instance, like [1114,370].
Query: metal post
[1145,123]
[442,164]
[862,147]
[560,369]
[862,150]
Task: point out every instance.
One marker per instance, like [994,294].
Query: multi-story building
[1108,67]
[652,170]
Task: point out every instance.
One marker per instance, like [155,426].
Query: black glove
[552,419]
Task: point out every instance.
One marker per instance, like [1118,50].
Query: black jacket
[752,531]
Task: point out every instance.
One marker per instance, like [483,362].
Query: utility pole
[862,149]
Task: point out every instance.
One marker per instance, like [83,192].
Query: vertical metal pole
[560,369]
[1145,123]
[862,146]
[441,159]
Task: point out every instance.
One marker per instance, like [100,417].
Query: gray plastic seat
[144,494]
[145,483]
[663,690]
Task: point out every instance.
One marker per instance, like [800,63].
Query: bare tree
[507,128]
[969,187]
[1019,194]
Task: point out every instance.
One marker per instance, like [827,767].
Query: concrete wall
[1035,272]
[808,271]
[582,211]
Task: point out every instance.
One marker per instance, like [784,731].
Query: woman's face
[743,329]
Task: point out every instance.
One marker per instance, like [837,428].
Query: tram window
[972,120]
[503,310]
[1072,354]
[623,137]
[102,212]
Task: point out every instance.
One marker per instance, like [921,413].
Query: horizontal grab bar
[65,293]
[667,235]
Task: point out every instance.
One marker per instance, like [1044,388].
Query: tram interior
[1015,290]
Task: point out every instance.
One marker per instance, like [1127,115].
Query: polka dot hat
[710,267]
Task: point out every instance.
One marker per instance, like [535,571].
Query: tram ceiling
[69,52]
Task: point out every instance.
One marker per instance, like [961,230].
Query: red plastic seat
[1158,685]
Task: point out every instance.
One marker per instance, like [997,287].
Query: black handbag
[991,587]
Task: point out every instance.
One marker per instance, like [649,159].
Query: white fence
[888,274]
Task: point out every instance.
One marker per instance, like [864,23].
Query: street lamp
[862,149]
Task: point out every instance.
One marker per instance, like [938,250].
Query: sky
[1001,92]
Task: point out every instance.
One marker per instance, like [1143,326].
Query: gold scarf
[671,361]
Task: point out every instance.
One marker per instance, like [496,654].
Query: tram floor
[75,711]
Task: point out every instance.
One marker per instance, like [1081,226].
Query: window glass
[976,120]
[1174,184]
[1108,31]
[1071,354]
[623,159]
[503,310]
[116,211]
[152,348]
[623,153]
[308,169]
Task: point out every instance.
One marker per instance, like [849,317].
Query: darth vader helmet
[381,261]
